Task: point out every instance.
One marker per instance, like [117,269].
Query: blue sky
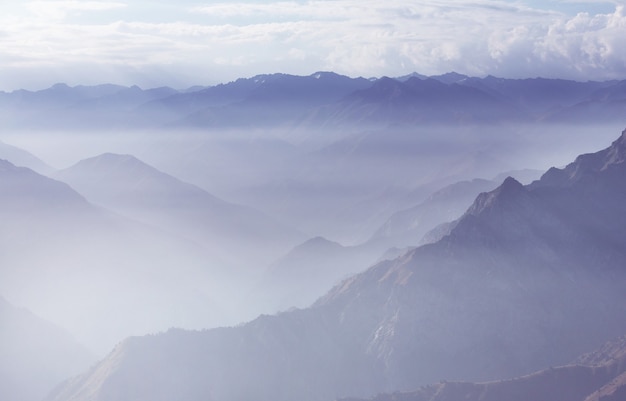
[184,43]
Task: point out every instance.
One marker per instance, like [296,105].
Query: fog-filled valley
[318,237]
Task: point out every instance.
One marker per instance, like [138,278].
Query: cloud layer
[150,43]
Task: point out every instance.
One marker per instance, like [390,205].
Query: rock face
[529,277]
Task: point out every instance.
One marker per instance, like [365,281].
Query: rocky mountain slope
[531,276]
[595,376]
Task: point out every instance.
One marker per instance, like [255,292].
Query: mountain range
[128,186]
[318,101]
[94,272]
[528,277]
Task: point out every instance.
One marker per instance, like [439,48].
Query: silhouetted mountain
[605,104]
[317,101]
[57,96]
[36,355]
[450,78]
[79,107]
[539,93]
[348,189]
[20,157]
[127,185]
[277,100]
[22,188]
[411,75]
[412,102]
[93,272]
[307,271]
[407,227]
[530,277]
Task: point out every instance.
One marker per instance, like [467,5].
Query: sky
[184,43]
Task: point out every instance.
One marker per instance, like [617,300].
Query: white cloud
[56,10]
[368,38]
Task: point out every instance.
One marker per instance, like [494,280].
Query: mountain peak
[108,160]
[450,77]
[511,183]
[509,191]
[587,167]
[617,151]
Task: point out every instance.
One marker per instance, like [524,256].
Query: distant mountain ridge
[529,277]
[63,258]
[137,190]
[322,99]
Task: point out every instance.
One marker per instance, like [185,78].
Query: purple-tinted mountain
[36,355]
[276,100]
[20,157]
[127,185]
[95,273]
[317,101]
[599,375]
[531,276]
[450,78]
[57,96]
[538,96]
[407,227]
[307,271]
[389,102]
[349,188]
[64,107]
[607,103]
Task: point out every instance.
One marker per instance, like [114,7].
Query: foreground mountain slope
[529,277]
[595,376]
[36,355]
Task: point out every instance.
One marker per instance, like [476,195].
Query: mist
[129,213]
[143,258]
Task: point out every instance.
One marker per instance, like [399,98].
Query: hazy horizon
[151,44]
